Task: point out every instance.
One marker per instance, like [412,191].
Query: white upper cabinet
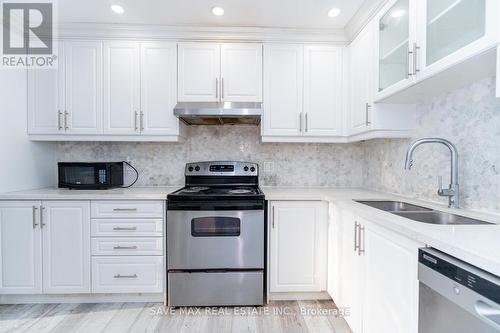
[298,246]
[419,40]
[112,90]
[361,80]
[302,91]
[283,90]
[199,72]
[83,87]
[212,72]
[20,248]
[65,228]
[396,46]
[322,90]
[46,100]
[241,72]
[158,88]
[121,87]
[450,31]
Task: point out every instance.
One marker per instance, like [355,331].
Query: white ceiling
[238,13]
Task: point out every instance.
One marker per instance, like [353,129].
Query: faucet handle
[440,184]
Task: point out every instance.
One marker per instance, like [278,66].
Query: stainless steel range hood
[219,113]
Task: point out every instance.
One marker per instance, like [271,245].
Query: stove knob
[197,168]
[245,168]
[190,169]
[252,169]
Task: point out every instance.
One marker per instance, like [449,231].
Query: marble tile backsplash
[470,118]
[162,164]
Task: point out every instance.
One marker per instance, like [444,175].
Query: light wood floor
[301,316]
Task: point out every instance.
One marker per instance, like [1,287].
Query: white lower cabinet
[351,286]
[20,248]
[128,246]
[127,274]
[45,247]
[66,247]
[378,283]
[390,282]
[57,248]
[298,246]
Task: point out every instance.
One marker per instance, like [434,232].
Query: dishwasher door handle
[488,313]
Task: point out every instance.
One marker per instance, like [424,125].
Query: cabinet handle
[361,240]
[356,246]
[125,209]
[415,56]
[222,88]
[118,247]
[273,218]
[409,71]
[35,208]
[41,217]
[367,114]
[216,88]
[136,114]
[119,276]
[141,121]
[124,228]
[59,115]
[307,123]
[66,120]
[300,122]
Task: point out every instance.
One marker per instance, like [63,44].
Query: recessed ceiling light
[117,9]
[334,12]
[218,11]
[398,13]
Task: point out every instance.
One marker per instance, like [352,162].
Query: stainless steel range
[216,236]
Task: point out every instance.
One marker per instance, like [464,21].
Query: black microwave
[90,176]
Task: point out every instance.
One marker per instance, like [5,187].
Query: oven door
[201,240]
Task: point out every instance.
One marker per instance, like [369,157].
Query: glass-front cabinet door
[395,43]
[451,25]
[451,31]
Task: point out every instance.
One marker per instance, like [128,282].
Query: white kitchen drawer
[120,209]
[127,246]
[127,274]
[127,227]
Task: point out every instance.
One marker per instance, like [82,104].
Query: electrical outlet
[268,166]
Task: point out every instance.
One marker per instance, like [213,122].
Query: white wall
[23,164]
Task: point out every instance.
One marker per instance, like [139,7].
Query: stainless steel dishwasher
[456,297]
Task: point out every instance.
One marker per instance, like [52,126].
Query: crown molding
[363,16]
[199,33]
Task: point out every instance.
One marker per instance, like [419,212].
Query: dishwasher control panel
[474,278]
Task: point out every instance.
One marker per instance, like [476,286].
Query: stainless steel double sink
[421,214]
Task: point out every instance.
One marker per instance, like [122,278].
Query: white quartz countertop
[477,244]
[133,193]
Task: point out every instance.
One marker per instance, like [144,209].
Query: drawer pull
[118,247]
[119,276]
[125,209]
[124,228]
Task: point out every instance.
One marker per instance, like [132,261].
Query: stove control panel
[222,168]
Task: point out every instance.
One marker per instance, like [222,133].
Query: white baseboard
[83,298]
[302,296]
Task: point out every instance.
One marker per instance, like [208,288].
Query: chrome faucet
[452,192]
